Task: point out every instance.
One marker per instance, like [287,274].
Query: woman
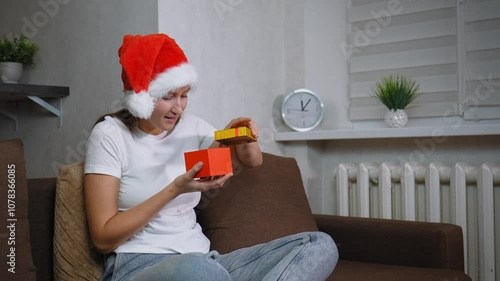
[140,200]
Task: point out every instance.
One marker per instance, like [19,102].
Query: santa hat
[152,66]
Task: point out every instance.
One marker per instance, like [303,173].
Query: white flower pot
[396,119]
[11,72]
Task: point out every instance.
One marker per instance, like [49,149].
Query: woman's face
[167,112]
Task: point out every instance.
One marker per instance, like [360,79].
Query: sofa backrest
[42,193]
[257,206]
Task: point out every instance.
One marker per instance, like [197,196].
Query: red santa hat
[152,66]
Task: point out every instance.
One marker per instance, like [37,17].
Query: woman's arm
[110,228]
[249,154]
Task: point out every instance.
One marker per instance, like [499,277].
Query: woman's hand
[188,183]
[245,155]
[244,121]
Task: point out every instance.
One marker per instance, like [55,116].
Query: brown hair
[123,115]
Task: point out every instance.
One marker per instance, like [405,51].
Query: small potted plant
[396,93]
[15,53]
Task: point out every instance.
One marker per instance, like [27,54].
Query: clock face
[302,110]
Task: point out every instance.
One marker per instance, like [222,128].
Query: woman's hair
[124,115]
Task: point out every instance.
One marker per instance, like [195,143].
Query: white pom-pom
[140,105]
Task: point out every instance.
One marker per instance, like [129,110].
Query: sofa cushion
[433,245]
[75,258]
[246,212]
[360,271]
[16,262]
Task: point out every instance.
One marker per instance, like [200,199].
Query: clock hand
[306,104]
[296,109]
[301,105]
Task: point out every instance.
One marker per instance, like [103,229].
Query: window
[451,48]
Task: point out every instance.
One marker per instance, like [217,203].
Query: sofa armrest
[396,242]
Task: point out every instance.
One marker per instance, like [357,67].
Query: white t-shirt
[145,164]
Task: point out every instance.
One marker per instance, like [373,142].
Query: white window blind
[421,39]
[482,59]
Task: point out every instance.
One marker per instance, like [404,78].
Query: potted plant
[396,93]
[15,53]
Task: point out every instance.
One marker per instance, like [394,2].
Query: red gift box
[216,161]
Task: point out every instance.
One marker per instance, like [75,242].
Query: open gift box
[216,161]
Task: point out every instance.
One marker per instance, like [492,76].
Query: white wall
[326,71]
[238,50]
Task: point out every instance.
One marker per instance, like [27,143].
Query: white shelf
[406,132]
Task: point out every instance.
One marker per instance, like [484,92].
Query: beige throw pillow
[75,258]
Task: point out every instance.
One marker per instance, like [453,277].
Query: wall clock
[302,110]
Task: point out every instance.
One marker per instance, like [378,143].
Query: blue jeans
[304,256]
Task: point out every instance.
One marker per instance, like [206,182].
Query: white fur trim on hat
[140,105]
[171,79]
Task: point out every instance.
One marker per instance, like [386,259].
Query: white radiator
[461,194]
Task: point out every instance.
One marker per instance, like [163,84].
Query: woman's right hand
[188,183]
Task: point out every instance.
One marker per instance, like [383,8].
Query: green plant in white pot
[396,93]
[15,54]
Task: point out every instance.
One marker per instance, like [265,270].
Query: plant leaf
[396,92]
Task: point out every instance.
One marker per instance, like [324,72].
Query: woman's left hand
[245,154]
[244,121]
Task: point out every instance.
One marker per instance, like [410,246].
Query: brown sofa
[256,206]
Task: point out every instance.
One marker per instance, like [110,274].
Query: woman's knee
[326,247]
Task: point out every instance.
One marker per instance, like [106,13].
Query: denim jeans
[304,256]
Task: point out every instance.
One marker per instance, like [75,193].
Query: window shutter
[417,39]
[481,99]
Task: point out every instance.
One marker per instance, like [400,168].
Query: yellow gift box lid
[234,136]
